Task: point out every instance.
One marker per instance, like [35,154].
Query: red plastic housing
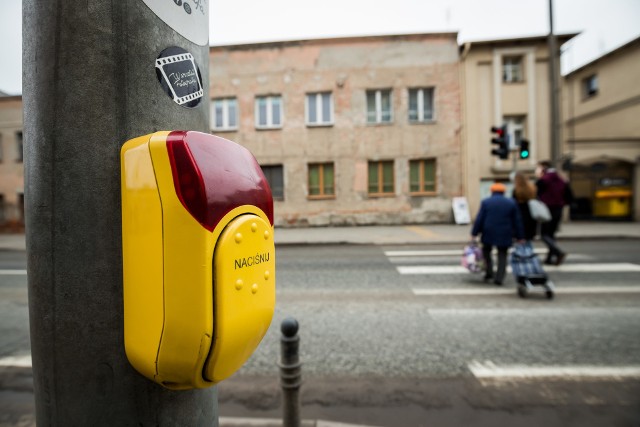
[213,176]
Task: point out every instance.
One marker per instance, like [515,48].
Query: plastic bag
[539,211]
[472,258]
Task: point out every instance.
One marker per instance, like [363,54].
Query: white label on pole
[189,18]
[461,210]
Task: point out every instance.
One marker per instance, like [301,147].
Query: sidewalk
[407,234]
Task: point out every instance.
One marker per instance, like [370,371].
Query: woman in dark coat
[523,191]
[499,223]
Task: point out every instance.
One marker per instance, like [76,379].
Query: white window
[515,130]
[512,69]
[421,105]
[269,112]
[319,109]
[224,114]
[379,106]
[590,86]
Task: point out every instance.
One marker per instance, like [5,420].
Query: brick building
[349,130]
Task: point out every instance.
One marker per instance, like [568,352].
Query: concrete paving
[383,235]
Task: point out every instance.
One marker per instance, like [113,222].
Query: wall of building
[602,133]
[489,101]
[348,68]
[11,166]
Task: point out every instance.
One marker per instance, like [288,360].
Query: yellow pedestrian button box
[198,257]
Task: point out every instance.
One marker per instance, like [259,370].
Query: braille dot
[254,227]
[254,288]
[239,284]
[266,235]
[238,237]
[266,275]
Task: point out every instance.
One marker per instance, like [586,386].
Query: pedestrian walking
[523,191]
[554,192]
[498,221]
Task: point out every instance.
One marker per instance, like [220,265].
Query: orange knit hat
[498,187]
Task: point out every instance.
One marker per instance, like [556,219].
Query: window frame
[509,75]
[590,87]
[225,114]
[379,164]
[269,99]
[19,146]
[321,181]
[420,110]
[273,167]
[318,101]
[378,101]
[421,177]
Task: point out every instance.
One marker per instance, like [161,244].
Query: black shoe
[488,277]
[497,282]
[561,258]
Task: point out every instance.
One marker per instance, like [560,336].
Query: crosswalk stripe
[567,268]
[16,361]
[13,272]
[489,370]
[440,252]
[509,291]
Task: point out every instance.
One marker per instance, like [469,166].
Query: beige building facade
[602,134]
[349,131]
[505,82]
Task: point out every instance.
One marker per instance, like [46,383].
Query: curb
[274,422]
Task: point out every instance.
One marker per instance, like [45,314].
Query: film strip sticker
[177,69]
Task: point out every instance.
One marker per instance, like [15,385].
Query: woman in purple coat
[498,222]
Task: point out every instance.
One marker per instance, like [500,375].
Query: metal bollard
[290,372]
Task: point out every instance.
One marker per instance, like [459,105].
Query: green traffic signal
[524,149]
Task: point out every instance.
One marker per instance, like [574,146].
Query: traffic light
[502,140]
[524,149]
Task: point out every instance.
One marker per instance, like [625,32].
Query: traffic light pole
[91,82]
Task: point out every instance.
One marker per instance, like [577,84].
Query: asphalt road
[399,336]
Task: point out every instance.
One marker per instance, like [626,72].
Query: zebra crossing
[446,263]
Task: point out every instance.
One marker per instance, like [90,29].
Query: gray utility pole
[554,91]
[90,83]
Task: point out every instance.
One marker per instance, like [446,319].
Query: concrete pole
[89,85]
[556,152]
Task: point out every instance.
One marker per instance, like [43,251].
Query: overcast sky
[604,24]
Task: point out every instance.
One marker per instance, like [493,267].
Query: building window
[224,114]
[421,105]
[379,106]
[269,112]
[319,109]
[3,216]
[515,129]
[590,86]
[275,178]
[321,180]
[422,176]
[381,182]
[19,147]
[512,69]
[21,207]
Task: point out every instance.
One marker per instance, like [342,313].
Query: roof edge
[327,40]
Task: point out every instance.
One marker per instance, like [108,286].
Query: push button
[244,293]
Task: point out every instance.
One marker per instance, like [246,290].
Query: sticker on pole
[179,76]
[189,18]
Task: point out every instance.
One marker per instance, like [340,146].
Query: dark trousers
[502,262]
[548,234]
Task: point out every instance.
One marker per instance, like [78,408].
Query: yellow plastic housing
[185,328]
